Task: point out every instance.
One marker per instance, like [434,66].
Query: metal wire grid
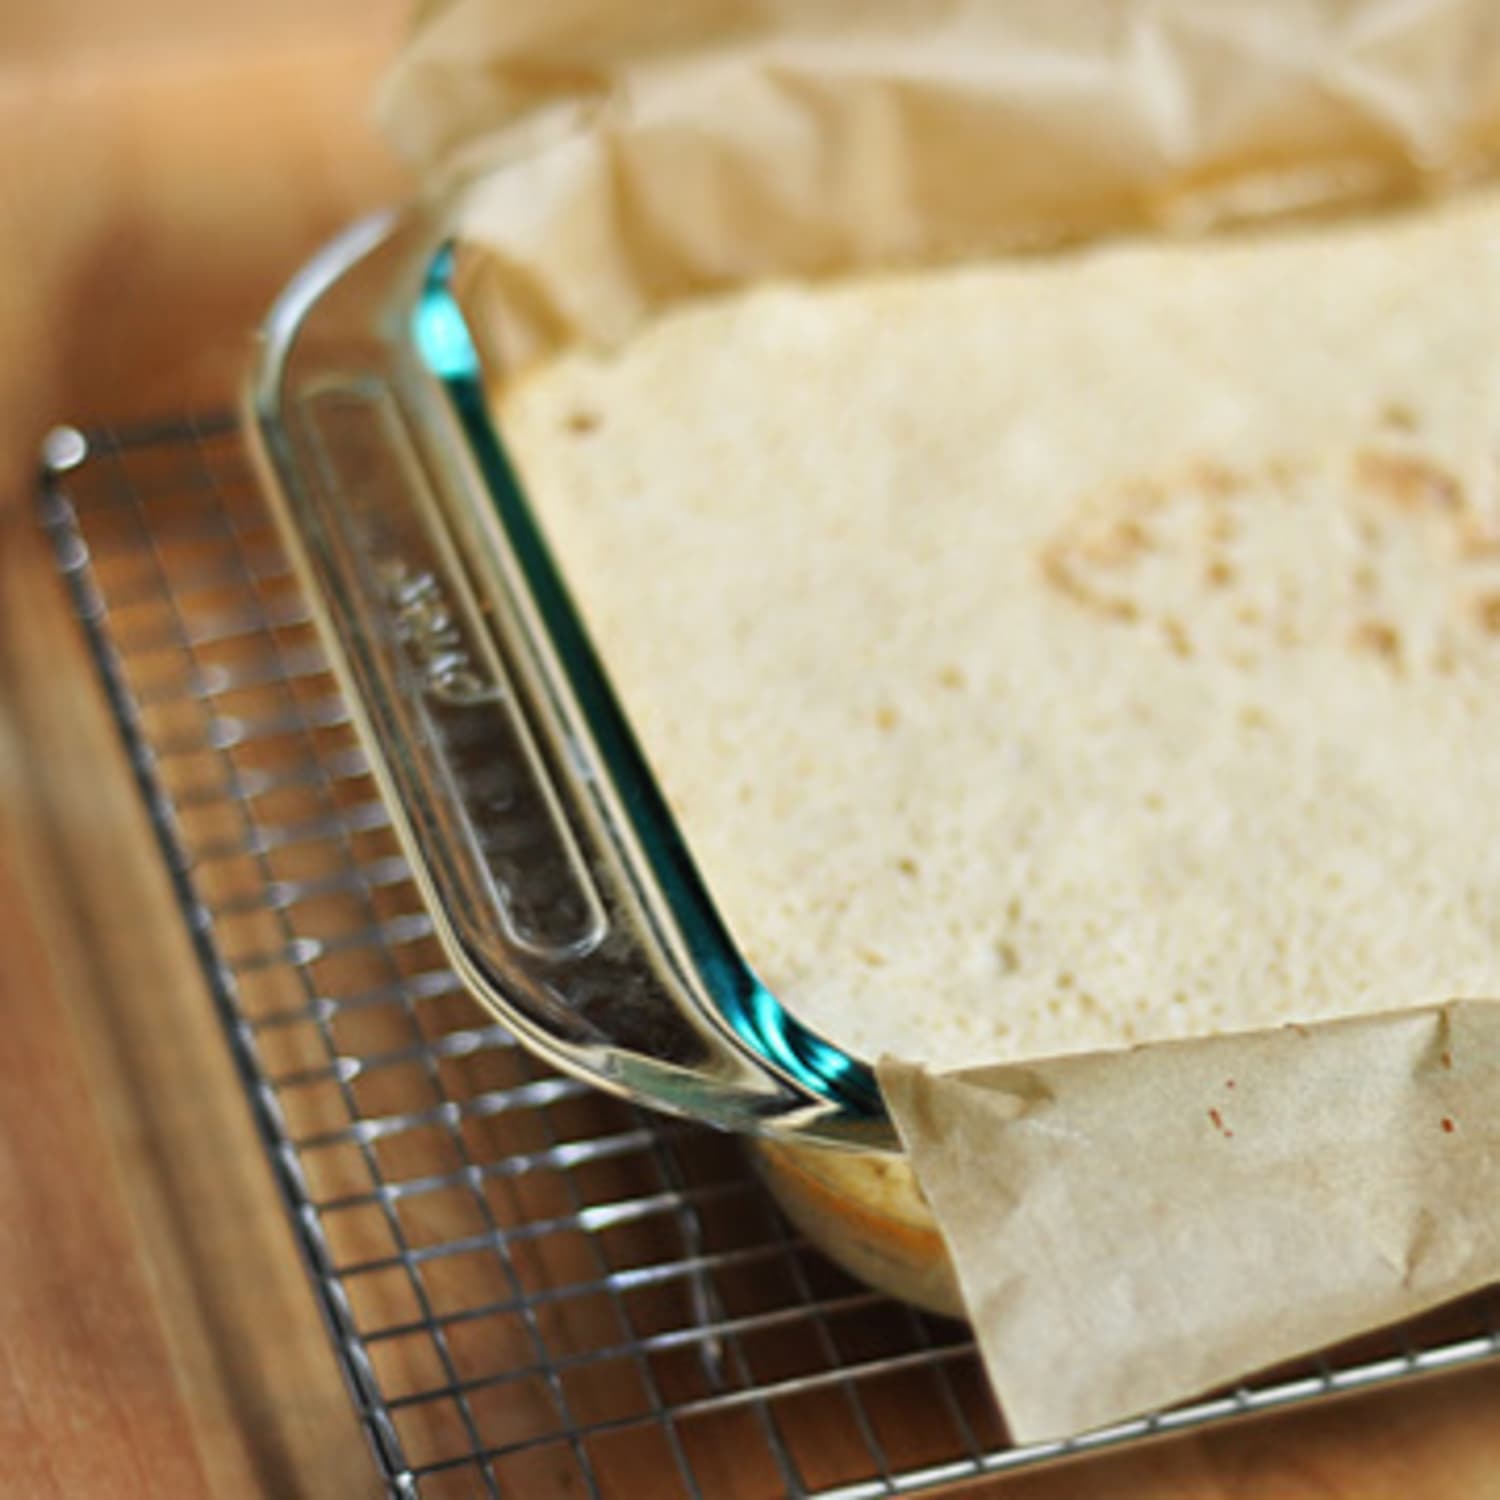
[531,1288]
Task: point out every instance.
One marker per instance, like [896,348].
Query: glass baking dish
[562,890]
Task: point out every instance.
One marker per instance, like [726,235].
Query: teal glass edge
[447,348]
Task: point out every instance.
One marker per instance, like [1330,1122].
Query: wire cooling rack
[532,1289]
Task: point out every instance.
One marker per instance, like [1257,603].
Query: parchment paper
[651,152]
[1129,1229]
[1133,1228]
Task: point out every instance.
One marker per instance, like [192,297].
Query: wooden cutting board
[166,165]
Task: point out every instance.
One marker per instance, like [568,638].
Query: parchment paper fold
[653,152]
[1134,1228]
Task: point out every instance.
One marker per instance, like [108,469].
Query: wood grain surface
[167,164]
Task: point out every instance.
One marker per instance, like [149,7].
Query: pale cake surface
[1067,653]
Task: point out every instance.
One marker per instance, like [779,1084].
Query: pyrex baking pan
[562,890]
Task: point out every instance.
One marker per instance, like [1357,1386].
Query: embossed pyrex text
[426,626]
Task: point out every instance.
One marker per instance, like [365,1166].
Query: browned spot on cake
[1057,573]
[1223,527]
[1117,547]
[1487,609]
[1379,638]
[1177,636]
[1408,480]
[1215,479]
[1478,539]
